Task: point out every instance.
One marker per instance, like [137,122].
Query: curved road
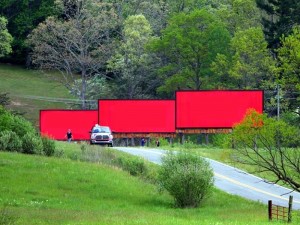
[232,180]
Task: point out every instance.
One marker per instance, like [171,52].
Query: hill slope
[40,190]
[24,85]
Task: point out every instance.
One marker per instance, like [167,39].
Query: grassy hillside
[21,83]
[40,190]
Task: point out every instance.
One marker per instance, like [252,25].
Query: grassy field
[19,83]
[41,190]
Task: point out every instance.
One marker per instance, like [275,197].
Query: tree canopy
[78,46]
[188,46]
[5,38]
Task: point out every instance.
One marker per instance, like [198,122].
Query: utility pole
[278,101]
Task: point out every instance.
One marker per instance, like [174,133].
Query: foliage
[4,99]
[10,141]
[239,15]
[188,45]
[188,178]
[131,63]
[32,144]
[5,38]
[14,123]
[77,47]
[249,65]
[288,69]
[24,16]
[135,166]
[266,143]
[48,146]
[279,18]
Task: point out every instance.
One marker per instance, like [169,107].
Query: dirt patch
[16,103]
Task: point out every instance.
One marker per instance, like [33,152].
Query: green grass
[41,190]
[19,82]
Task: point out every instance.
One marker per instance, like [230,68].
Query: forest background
[151,48]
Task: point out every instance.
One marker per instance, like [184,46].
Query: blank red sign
[55,123]
[214,109]
[138,116]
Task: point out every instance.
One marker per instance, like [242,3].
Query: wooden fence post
[290,209]
[270,209]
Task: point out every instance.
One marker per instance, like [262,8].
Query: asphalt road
[232,180]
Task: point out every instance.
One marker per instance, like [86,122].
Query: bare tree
[269,146]
[77,45]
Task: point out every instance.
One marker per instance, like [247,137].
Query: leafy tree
[131,63]
[280,17]
[77,46]
[239,15]
[249,65]
[5,38]
[265,143]
[24,16]
[288,71]
[188,46]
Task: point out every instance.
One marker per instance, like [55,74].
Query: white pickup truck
[101,135]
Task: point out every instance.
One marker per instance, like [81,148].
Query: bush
[32,144]
[14,123]
[135,166]
[188,178]
[48,146]
[9,141]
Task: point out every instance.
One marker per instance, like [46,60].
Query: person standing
[69,135]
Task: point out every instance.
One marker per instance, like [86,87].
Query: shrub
[134,165]
[14,123]
[32,144]
[48,146]
[188,178]
[9,141]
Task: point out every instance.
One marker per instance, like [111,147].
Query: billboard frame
[210,90]
[166,134]
[71,110]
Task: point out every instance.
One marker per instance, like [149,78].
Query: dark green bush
[188,178]
[32,144]
[48,146]
[9,141]
[14,123]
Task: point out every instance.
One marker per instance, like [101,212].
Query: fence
[280,212]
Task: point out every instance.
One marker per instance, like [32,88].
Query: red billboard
[55,123]
[214,109]
[138,116]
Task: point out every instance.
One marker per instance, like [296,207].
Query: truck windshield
[101,130]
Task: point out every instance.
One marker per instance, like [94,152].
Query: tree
[23,16]
[249,65]
[131,63]
[279,19]
[78,46]
[239,15]
[288,71]
[266,144]
[5,38]
[188,46]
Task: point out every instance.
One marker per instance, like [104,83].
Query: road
[232,180]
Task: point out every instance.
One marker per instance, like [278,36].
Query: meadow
[66,190]
[24,85]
